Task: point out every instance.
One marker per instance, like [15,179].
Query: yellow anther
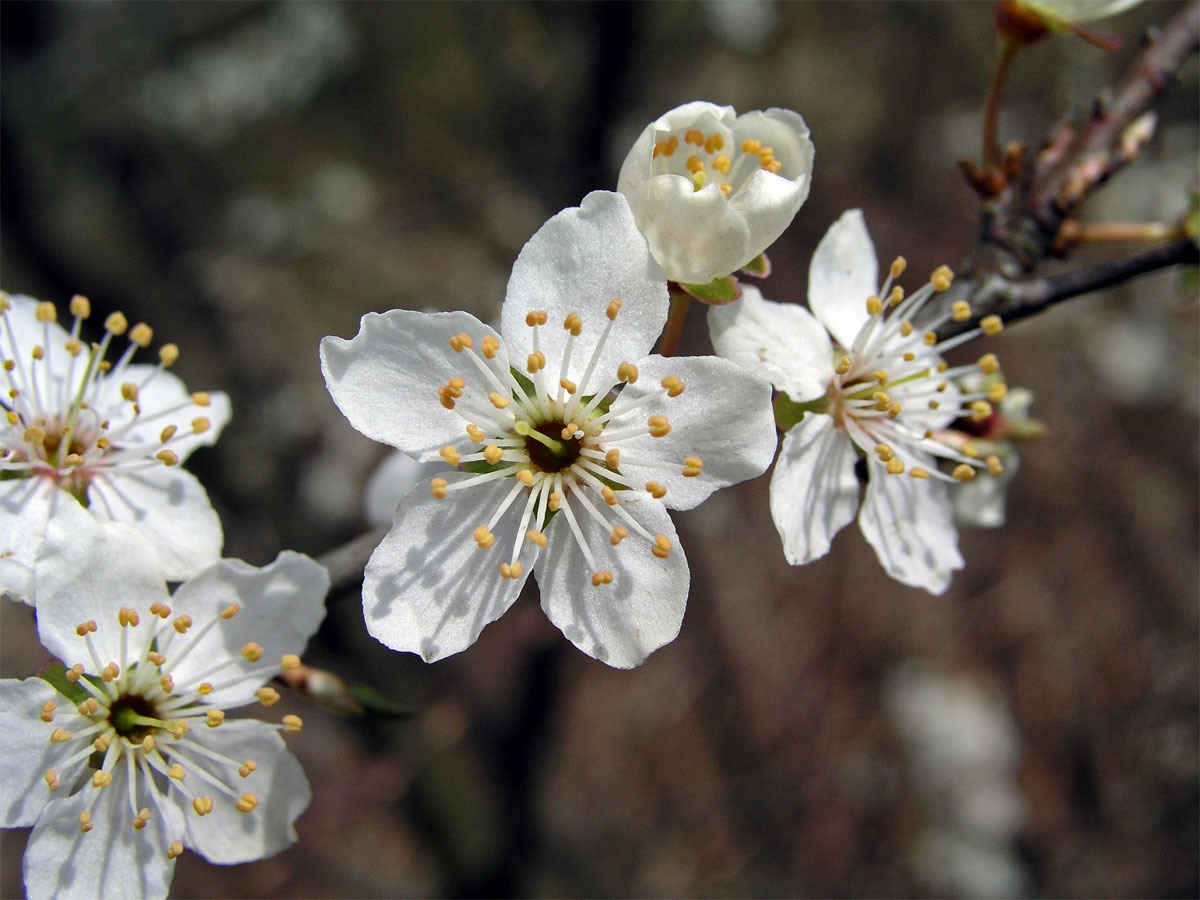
[882,399]
[884,451]
[614,307]
[893,409]
[116,323]
[110,673]
[844,365]
[167,457]
[101,743]
[988,363]
[214,717]
[89,625]
[880,376]
[290,661]
[489,346]
[140,820]
[525,476]
[74,673]
[573,324]
[88,707]
[456,386]
[167,354]
[492,454]
[202,805]
[906,329]
[461,341]
[536,537]
[722,164]
[537,317]
[899,264]
[446,397]
[960,310]
[694,164]
[941,279]
[45,312]
[766,155]
[176,771]
[154,656]
[230,611]
[918,472]
[609,495]
[201,398]
[994,465]
[894,466]
[81,307]
[449,454]
[475,433]
[694,136]
[497,400]
[613,458]
[148,744]
[101,779]
[659,426]
[246,803]
[997,392]
[129,391]
[205,688]
[619,533]
[247,767]
[167,433]
[599,578]
[896,296]
[627,372]
[692,466]
[181,728]
[726,189]
[483,537]
[35,434]
[930,338]
[933,404]
[48,709]
[182,623]
[662,546]
[85,821]
[963,472]
[714,142]
[51,778]
[570,387]
[980,410]
[267,696]
[535,362]
[38,352]
[252,652]
[909,356]
[175,850]
[971,450]
[750,145]
[127,617]
[991,325]
[874,306]
[439,488]
[655,490]
[555,501]
[141,334]
[513,572]
[167,683]
[673,385]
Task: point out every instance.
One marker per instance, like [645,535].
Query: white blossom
[712,190]
[84,431]
[1073,12]
[876,393]
[564,442]
[126,757]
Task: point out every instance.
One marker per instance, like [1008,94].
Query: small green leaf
[55,675]
[759,267]
[788,412]
[718,292]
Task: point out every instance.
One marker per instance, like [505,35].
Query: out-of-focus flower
[564,440]
[711,190]
[85,432]
[394,477]
[1025,21]
[126,757]
[877,393]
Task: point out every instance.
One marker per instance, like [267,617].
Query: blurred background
[248,177]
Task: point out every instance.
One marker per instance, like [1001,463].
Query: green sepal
[55,675]
[788,412]
[759,267]
[717,292]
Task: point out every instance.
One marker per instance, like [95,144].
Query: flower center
[704,158]
[548,450]
[127,715]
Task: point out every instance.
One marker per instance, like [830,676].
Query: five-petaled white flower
[712,190]
[880,395]
[565,443]
[84,431]
[128,757]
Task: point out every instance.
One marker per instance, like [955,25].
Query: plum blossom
[563,442]
[868,388]
[126,757]
[711,190]
[107,436]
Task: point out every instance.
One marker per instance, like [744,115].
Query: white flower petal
[787,134]
[26,506]
[26,750]
[843,274]
[428,588]
[171,510]
[624,622]
[28,331]
[87,571]
[814,491]
[390,482]
[723,417]
[161,390]
[579,261]
[385,379]
[781,342]
[910,523]
[111,860]
[280,608]
[227,836]
[1076,11]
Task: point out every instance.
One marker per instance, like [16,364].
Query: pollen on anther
[201,398]
[101,779]
[51,778]
[573,324]
[483,537]
[619,533]
[489,347]
[844,365]
[692,466]
[205,688]
[85,821]
[214,717]
[894,466]
[610,496]
[874,306]
[461,341]
[535,362]
[126,617]
[246,803]
[613,458]
[497,400]
[674,386]
[599,578]
[292,724]
[88,707]
[167,457]
[167,433]
[980,410]
[899,264]
[267,696]
[537,317]
[567,385]
[252,652]
[182,623]
[492,453]
[991,325]
[655,490]
[994,465]
[48,711]
[627,372]
[439,488]
[140,820]
[536,537]
[167,683]
[997,392]
[248,767]
[290,661]
[662,546]
[555,501]
[918,472]
[168,354]
[659,426]
[202,805]
[614,307]
[525,476]
[963,472]
[89,625]
[511,572]
[110,673]
[449,454]
[960,310]
[475,433]
[176,772]
[175,850]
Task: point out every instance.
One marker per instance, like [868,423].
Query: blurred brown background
[249,177]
